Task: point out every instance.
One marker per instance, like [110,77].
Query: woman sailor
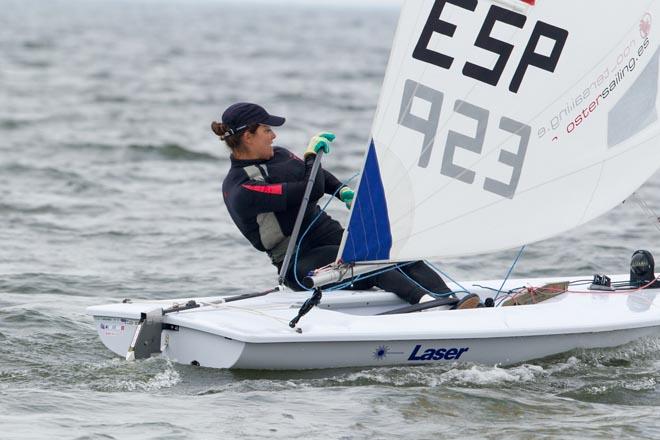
[263,192]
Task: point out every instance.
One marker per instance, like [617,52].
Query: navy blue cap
[243,114]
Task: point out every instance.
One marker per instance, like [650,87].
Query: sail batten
[498,127]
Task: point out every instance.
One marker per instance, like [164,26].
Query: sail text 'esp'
[484,40]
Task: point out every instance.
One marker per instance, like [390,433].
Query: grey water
[109,188]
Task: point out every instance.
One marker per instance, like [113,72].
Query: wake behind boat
[500,123]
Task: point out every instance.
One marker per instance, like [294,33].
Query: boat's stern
[117,325]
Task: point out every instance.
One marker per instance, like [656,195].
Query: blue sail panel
[369,237]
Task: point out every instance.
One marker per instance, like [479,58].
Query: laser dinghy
[500,123]
[349,329]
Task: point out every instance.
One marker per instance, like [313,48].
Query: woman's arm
[332,184]
[256,197]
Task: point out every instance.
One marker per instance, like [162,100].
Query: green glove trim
[320,142]
[347,195]
[328,135]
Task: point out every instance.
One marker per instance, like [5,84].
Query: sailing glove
[346,195]
[319,142]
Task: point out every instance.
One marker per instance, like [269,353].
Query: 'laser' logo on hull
[436,354]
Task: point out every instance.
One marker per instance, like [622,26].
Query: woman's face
[259,145]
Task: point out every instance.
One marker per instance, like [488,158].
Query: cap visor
[274,121]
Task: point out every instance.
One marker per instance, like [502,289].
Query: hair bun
[217,128]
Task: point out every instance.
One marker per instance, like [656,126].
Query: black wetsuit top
[264,196]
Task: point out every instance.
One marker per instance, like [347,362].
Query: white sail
[504,122]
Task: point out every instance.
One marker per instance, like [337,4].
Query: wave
[14,124]
[20,317]
[116,375]
[144,152]
[168,151]
[163,379]
[111,99]
[69,286]
[89,146]
[48,172]
[8,208]
[42,44]
[463,375]
[58,179]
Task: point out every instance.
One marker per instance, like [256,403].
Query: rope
[366,277]
[647,210]
[428,292]
[395,267]
[437,269]
[509,272]
[302,237]
[372,274]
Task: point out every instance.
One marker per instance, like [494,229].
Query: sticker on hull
[420,353]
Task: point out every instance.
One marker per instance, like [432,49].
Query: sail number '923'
[429,127]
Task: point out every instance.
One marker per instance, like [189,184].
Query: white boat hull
[222,353]
[345,332]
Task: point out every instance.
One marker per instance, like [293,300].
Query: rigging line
[593,193]
[437,269]
[260,313]
[535,187]
[510,270]
[429,292]
[506,295]
[224,306]
[302,237]
[647,210]
[626,291]
[367,276]
[345,237]
[398,267]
